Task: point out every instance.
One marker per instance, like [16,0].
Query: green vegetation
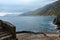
[48,10]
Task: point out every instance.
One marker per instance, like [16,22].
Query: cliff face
[51,9]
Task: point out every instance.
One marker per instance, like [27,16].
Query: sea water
[32,23]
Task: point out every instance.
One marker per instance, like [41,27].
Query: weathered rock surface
[7,31]
[28,36]
[56,21]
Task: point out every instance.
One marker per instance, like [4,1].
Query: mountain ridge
[48,10]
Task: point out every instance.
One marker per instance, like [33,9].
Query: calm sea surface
[32,23]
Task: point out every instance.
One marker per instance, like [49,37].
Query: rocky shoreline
[28,35]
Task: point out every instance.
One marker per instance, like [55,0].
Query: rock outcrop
[7,31]
[56,21]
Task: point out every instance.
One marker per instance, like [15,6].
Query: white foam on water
[55,26]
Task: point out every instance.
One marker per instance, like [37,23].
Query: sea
[32,23]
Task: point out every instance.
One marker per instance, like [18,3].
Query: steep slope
[31,13]
[51,9]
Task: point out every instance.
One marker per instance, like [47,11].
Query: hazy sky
[24,2]
[22,5]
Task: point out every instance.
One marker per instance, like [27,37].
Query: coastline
[28,35]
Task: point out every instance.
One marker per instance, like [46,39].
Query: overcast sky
[24,5]
[24,2]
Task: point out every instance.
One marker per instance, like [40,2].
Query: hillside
[51,9]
